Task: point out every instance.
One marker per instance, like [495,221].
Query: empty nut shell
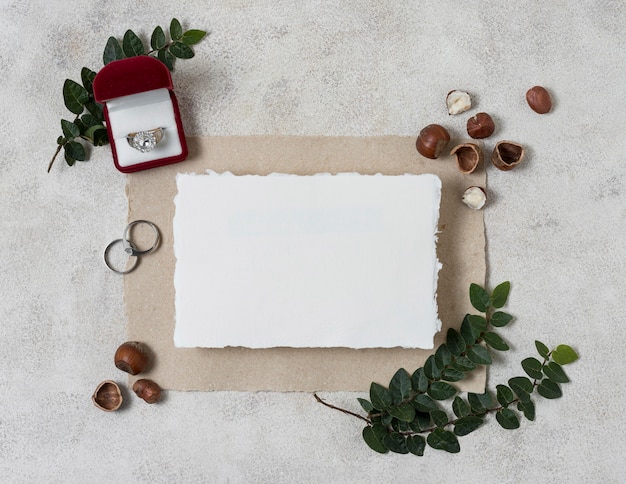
[108,396]
[147,390]
[432,140]
[131,357]
[539,100]
[468,156]
[480,126]
[507,155]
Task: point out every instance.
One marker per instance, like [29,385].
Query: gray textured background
[554,226]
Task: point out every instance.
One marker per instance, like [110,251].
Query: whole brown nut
[468,157]
[507,155]
[131,357]
[480,126]
[108,396]
[147,390]
[539,100]
[432,140]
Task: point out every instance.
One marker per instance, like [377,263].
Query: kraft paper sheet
[149,290]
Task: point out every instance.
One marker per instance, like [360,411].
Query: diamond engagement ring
[145,141]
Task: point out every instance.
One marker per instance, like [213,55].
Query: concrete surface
[555,229]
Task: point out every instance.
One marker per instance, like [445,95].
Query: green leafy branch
[406,416]
[89,124]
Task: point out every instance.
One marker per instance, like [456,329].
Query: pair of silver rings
[145,141]
[129,247]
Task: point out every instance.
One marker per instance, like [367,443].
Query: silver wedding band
[145,141]
[130,248]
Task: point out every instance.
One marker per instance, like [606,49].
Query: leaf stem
[56,153]
[343,410]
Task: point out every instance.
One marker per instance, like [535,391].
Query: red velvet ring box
[138,96]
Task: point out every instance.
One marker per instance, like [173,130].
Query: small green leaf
[386,419]
[70,130]
[532,367]
[69,160]
[500,319]
[443,440]
[401,426]
[548,389]
[167,58]
[504,395]
[463,363]
[396,443]
[87,76]
[440,390]
[193,36]
[439,417]
[431,370]
[404,412]
[555,373]
[479,323]
[112,51]
[372,440]
[366,405]
[61,140]
[460,407]
[527,408]
[466,425]
[419,382]
[423,403]
[494,340]
[97,135]
[500,294]
[157,40]
[469,334]
[542,349]
[95,109]
[176,30]
[416,444]
[400,386]
[421,422]
[522,387]
[479,402]
[75,96]
[88,120]
[507,419]
[563,354]
[132,45]
[452,375]
[479,298]
[75,150]
[442,356]
[479,354]
[380,397]
[455,342]
[182,51]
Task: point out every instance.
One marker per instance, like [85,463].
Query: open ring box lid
[138,95]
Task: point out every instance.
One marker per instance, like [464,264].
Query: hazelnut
[475,198]
[131,357]
[458,102]
[507,155]
[468,156]
[108,396]
[480,126]
[432,140]
[538,98]
[147,390]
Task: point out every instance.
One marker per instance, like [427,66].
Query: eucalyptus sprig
[89,123]
[406,416]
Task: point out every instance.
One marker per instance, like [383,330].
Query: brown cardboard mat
[149,290]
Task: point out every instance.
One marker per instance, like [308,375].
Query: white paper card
[306,261]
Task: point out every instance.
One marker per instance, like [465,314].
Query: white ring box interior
[143,112]
[306,261]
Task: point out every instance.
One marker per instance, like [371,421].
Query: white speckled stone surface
[555,228]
